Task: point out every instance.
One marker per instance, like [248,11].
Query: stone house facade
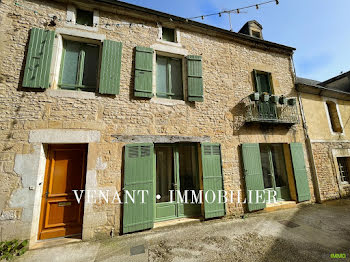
[325,108]
[103,95]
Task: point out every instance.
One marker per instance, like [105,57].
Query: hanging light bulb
[202,17]
[277,2]
[257,6]
[219,14]
[237,11]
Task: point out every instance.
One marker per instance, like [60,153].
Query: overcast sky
[316,28]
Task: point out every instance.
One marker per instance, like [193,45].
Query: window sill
[167,102]
[345,183]
[70,94]
[84,27]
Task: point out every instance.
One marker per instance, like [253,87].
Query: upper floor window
[79,66]
[168,34]
[256,34]
[334,117]
[343,165]
[263,82]
[169,77]
[84,17]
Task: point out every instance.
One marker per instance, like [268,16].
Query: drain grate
[137,250]
[289,223]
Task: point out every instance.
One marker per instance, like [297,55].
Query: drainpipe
[311,155]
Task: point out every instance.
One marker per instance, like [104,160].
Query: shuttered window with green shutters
[212,180]
[38,62]
[169,78]
[110,67]
[300,174]
[253,175]
[138,175]
[79,66]
[195,78]
[143,72]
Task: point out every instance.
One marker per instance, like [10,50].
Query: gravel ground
[306,233]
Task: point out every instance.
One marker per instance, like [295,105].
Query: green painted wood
[143,72]
[162,77]
[300,174]
[110,67]
[253,175]
[39,56]
[195,78]
[138,175]
[212,180]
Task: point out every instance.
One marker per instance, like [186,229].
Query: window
[256,34]
[343,164]
[79,66]
[263,82]
[168,34]
[169,77]
[84,17]
[334,117]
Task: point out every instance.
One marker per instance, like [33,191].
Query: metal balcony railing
[275,111]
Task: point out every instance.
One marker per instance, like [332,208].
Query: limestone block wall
[325,154]
[227,75]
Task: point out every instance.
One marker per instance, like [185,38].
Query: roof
[333,79]
[236,36]
[315,87]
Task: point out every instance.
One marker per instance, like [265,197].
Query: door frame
[49,162]
[35,162]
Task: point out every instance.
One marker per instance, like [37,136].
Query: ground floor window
[269,169]
[343,165]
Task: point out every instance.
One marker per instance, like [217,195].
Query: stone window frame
[75,35]
[168,50]
[177,35]
[341,152]
[72,14]
[325,99]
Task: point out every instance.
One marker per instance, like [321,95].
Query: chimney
[253,29]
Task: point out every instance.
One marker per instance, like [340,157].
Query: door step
[280,205]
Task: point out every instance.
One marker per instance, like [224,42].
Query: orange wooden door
[61,215]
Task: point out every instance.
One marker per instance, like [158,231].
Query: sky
[316,28]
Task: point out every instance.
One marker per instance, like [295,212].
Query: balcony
[271,109]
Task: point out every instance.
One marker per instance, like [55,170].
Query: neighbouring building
[326,115]
[104,95]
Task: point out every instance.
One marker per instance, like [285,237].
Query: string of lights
[236,10]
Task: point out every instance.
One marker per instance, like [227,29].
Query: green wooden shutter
[253,175]
[212,180]
[138,175]
[257,82]
[110,67]
[300,175]
[143,72]
[38,63]
[195,79]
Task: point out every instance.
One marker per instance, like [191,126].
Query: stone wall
[325,154]
[227,74]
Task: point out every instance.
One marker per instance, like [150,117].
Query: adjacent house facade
[326,115]
[104,95]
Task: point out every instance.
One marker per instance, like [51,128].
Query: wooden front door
[61,215]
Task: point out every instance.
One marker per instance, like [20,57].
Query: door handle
[46,194]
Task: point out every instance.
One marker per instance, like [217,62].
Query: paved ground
[307,233]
